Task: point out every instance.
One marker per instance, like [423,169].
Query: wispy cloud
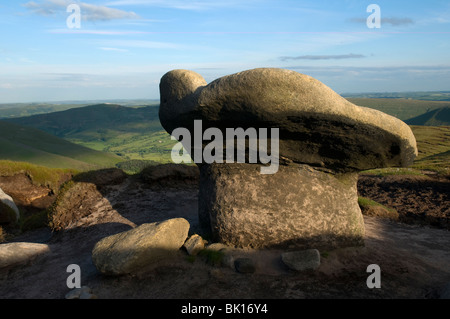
[99,32]
[113,49]
[144,44]
[323,57]
[89,12]
[198,5]
[393,21]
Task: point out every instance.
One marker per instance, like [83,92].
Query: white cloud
[6,86]
[113,49]
[89,12]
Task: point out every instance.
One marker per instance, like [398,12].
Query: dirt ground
[414,258]
[420,200]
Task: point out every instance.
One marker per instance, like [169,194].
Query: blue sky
[124,47]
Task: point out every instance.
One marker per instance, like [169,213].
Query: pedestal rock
[324,141]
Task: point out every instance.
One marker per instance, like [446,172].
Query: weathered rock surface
[20,253]
[8,211]
[302,260]
[129,251]
[324,140]
[306,207]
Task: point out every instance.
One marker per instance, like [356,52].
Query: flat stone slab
[317,126]
[15,254]
[302,260]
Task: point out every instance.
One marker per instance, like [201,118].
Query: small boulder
[9,212]
[445,293]
[194,245]
[130,251]
[302,260]
[245,265]
[81,293]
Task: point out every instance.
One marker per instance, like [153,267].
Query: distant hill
[425,96]
[21,110]
[14,110]
[25,144]
[132,133]
[437,117]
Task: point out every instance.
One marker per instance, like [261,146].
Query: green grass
[213,257]
[363,201]
[39,175]
[394,171]
[366,202]
[433,144]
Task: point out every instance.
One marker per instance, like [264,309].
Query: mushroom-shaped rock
[323,140]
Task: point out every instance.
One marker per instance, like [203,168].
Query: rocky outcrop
[132,250]
[324,141]
[75,201]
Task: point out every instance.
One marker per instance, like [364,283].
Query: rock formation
[324,141]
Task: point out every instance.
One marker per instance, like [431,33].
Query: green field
[25,144]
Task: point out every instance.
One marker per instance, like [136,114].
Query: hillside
[435,117]
[433,144]
[132,133]
[404,109]
[19,143]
